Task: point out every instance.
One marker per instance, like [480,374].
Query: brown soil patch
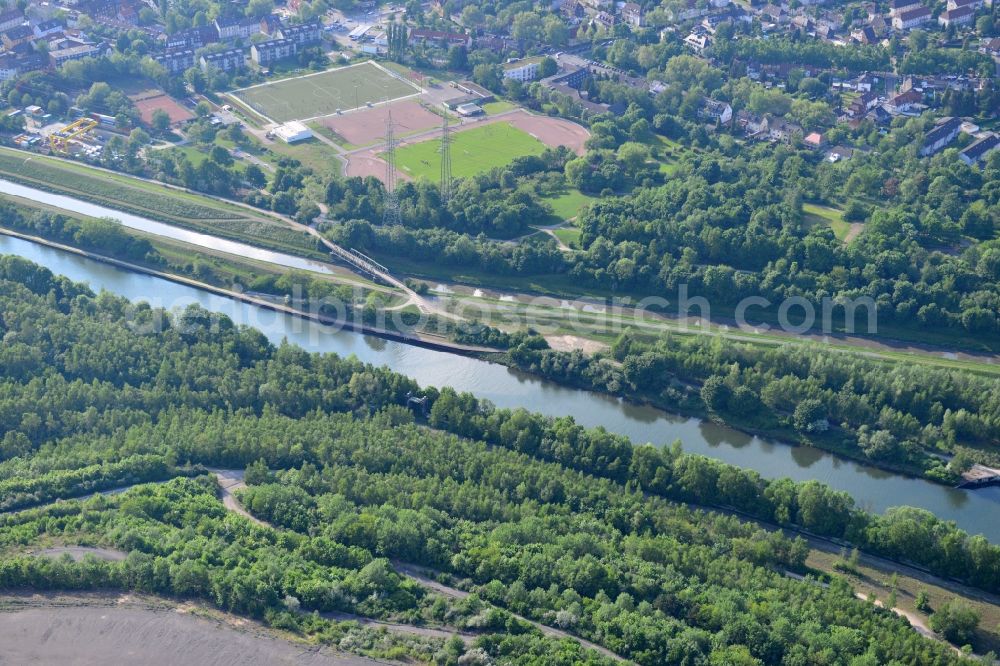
[552,132]
[146,105]
[368,125]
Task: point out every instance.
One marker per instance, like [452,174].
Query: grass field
[567,205]
[570,236]
[323,94]
[147,199]
[830,216]
[472,151]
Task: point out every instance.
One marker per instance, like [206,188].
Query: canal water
[873,489]
[161,229]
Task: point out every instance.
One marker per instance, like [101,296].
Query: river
[873,489]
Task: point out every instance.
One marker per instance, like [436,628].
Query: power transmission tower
[391,214]
[445,162]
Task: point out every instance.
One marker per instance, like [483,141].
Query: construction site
[84,136]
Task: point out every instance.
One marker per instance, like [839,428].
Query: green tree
[956,621]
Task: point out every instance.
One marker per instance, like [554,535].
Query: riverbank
[783,435]
[157,201]
[424,340]
[194,276]
[874,489]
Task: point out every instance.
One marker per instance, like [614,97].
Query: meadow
[472,151]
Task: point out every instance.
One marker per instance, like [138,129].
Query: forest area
[578,529]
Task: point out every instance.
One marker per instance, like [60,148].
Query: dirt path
[395,627]
[231,480]
[423,575]
[853,232]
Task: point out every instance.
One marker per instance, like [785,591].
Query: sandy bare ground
[231,480]
[80,552]
[99,629]
[552,132]
[853,232]
[368,125]
[565,343]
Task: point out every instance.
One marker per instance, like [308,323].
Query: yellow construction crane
[60,140]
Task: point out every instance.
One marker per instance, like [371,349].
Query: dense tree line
[568,526]
[95,375]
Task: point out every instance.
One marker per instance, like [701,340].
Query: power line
[445,162]
[391,213]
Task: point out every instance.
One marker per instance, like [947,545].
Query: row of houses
[288,41]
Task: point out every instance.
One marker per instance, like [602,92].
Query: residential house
[956,17]
[127,13]
[826,32]
[958,4]
[230,60]
[11,18]
[303,35]
[571,10]
[522,70]
[47,29]
[63,55]
[774,13]
[814,140]
[575,78]
[16,36]
[696,42]
[632,14]
[438,38]
[751,124]
[8,67]
[990,47]
[838,153]
[943,133]
[194,38]
[897,7]
[715,111]
[270,24]
[980,149]
[862,104]
[495,43]
[911,18]
[904,102]
[236,27]
[865,35]
[879,25]
[265,53]
[176,62]
[779,129]
[604,19]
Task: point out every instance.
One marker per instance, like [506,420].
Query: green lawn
[834,217]
[493,108]
[472,151]
[570,236]
[567,205]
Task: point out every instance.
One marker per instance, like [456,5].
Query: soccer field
[322,94]
[472,151]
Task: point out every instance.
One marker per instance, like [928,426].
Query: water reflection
[872,488]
